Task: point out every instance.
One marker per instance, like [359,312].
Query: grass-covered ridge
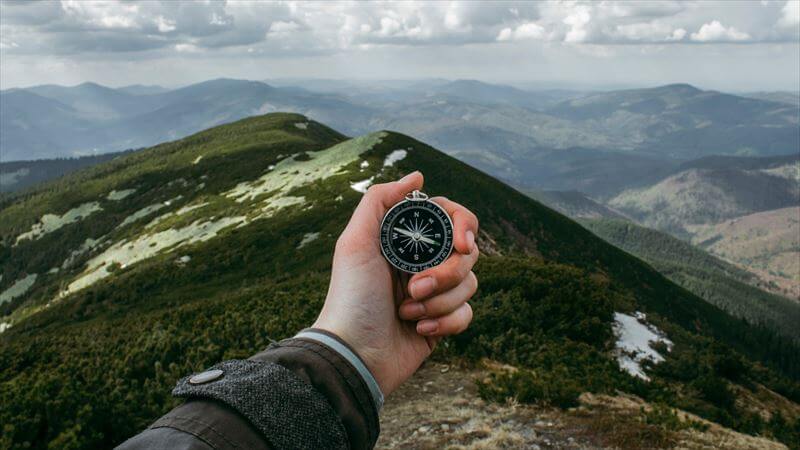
[96,366]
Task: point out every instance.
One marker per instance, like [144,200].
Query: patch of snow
[364,164]
[183,260]
[301,125]
[271,166]
[634,339]
[119,195]
[142,213]
[273,206]
[19,288]
[197,160]
[51,222]
[4,326]
[290,174]
[179,212]
[362,186]
[393,157]
[307,239]
[180,181]
[88,245]
[127,253]
[339,198]
[53,270]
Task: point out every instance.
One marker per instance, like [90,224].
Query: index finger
[465,224]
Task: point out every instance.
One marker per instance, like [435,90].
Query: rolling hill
[16,176]
[682,121]
[725,285]
[705,196]
[767,243]
[120,278]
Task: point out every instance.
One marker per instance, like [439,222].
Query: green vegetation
[721,284]
[92,368]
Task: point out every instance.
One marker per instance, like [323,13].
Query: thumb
[379,198]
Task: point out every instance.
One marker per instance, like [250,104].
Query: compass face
[416,235]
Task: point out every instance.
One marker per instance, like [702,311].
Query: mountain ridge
[232,206]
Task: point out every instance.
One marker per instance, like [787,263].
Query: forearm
[299,393]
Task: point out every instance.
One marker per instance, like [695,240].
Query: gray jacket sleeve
[297,394]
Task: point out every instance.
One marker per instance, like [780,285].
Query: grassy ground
[439,408]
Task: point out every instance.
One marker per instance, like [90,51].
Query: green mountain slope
[119,279]
[721,283]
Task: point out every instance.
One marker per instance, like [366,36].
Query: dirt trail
[439,408]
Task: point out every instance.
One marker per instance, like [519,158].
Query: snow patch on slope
[126,252]
[88,245]
[140,214]
[289,174]
[19,288]
[362,186]
[393,157]
[307,239]
[301,125]
[51,222]
[179,212]
[119,195]
[634,339]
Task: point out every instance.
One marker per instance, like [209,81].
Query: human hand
[391,321]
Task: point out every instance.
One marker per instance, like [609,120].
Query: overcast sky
[731,45]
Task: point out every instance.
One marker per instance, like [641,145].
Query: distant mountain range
[519,128]
[56,121]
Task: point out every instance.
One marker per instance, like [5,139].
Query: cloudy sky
[731,45]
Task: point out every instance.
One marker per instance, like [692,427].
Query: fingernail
[406,178]
[423,287]
[427,326]
[413,310]
[470,240]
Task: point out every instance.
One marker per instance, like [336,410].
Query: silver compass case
[416,234]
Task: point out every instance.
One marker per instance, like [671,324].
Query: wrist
[337,343]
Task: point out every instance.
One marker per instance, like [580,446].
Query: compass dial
[416,235]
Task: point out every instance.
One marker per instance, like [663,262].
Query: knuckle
[472,281]
[374,190]
[344,244]
[467,318]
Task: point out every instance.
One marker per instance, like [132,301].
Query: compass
[416,234]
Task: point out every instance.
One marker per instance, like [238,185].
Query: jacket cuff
[336,377]
[287,411]
[345,351]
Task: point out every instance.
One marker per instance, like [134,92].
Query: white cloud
[650,32]
[165,25]
[186,48]
[577,20]
[714,31]
[522,32]
[790,14]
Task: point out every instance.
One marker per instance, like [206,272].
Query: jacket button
[205,377]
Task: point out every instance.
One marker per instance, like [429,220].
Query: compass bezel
[385,235]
